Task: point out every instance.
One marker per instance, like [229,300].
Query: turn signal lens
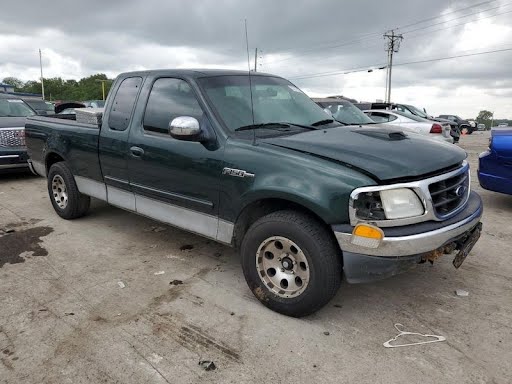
[366,235]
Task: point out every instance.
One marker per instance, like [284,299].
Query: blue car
[495,169]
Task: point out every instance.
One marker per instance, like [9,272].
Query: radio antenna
[250,82]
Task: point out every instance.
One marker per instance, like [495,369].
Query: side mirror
[185,128]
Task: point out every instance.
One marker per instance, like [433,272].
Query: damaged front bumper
[404,247]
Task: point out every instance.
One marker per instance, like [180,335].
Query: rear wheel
[67,201]
[291,263]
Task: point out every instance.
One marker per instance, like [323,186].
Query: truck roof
[194,73]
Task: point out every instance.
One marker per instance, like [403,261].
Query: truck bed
[77,143]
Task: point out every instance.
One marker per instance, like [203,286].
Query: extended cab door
[113,143]
[174,181]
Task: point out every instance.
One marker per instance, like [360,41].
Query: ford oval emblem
[460,191]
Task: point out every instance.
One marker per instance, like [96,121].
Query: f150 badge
[236,172]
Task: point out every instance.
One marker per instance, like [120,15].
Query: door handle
[136,151]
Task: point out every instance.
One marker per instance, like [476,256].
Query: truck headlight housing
[401,203]
[388,204]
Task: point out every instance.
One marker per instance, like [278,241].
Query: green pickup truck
[252,162]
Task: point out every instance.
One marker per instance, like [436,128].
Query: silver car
[435,130]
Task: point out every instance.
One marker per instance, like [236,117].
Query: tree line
[56,88]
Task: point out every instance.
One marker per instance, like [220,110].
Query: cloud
[297,37]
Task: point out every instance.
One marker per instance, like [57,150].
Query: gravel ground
[86,301]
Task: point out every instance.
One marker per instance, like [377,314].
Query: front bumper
[405,246]
[13,158]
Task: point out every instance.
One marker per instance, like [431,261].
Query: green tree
[56,88]
[15,82]
[484,117]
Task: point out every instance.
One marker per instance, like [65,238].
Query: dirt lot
[65,317]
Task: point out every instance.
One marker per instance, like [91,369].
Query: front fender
[318,184]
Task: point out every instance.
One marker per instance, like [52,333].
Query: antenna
[250,81]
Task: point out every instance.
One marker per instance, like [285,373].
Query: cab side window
[170,98]
[123,104]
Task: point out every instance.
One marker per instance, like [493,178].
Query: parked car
[464,125]
[412,110]
[502,125]
[40,106]
[347,113]
[94,103]
[252,162]
[13,113]
[481,127]
[495,164]
[440,131]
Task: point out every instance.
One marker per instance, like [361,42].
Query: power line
[383,66]
[453,57]
[374,34]
[448,13]
[455,25]
[456,18]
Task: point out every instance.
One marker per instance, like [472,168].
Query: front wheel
[291,263]
[66,199]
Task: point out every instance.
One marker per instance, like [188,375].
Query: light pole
[41,65]
[102,86]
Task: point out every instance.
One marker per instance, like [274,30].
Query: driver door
[175,181]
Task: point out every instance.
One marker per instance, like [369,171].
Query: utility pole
[392,46]
[256,60]
[41,65]
[103,86]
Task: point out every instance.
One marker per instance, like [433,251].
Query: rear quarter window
[123,104]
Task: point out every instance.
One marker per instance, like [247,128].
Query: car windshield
[14,108]
[410,116]
[416,111]
[96,103]
[346,112]
[274,100]
[40,105]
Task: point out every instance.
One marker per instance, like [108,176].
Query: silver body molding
[201,223]
[421,189]
[37,167]
[412,244]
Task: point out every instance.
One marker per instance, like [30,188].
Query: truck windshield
[14,108]
[274,100]
[346,112]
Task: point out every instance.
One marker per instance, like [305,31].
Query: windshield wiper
[271,126]
[260,126]
[322,122]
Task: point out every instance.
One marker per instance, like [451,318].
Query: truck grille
[450,194]
[12,137]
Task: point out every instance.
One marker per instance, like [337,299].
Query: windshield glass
[275,100]
[346,112]
[40,105]
[14,108]
[417,112]
[410,116]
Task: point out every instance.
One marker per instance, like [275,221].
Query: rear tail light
[436,128]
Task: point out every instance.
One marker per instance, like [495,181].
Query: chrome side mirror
[185,128]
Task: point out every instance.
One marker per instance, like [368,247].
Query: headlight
[401,203]
[388,204]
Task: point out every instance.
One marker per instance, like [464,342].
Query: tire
[315,257]
[67,201]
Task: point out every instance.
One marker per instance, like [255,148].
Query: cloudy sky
[302,40]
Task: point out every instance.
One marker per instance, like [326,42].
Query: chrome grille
[12,137]
[449,194]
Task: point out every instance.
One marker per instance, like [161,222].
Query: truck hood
[381,152]
[12,122]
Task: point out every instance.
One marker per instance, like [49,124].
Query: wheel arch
[260,207]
